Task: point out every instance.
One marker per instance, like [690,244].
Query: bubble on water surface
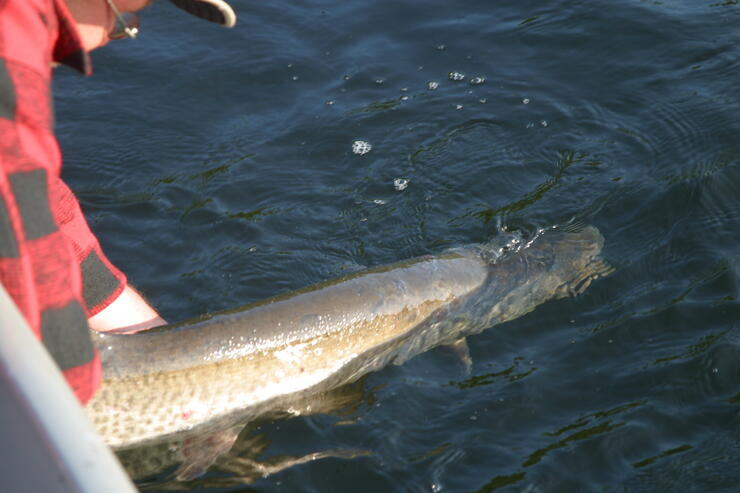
[456,76]
[400,184]
[441,47]
[379,201]
[543,123]
[476,81]
[525,101]
[361,147]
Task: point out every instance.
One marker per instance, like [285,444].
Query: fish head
[574,258]
[556,262]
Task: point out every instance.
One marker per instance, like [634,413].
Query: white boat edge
[49,443]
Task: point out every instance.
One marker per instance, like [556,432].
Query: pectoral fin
[462,351]
[200,452]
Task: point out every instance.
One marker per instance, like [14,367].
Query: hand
[127,314]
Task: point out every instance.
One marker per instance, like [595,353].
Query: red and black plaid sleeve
[50,263]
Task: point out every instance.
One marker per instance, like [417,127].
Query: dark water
[217,168]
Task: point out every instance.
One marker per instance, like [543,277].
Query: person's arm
[127,314]
[113,303]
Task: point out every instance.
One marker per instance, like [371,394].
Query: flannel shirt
[50,262]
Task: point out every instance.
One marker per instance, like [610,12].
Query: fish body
[243,364]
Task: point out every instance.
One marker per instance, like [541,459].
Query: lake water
[217,168]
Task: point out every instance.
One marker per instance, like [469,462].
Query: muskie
[239,365]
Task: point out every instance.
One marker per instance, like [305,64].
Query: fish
[208,374]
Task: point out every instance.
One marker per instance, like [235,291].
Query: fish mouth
[596,268]
[582,244]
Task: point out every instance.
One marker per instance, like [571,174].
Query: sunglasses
[127,24]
